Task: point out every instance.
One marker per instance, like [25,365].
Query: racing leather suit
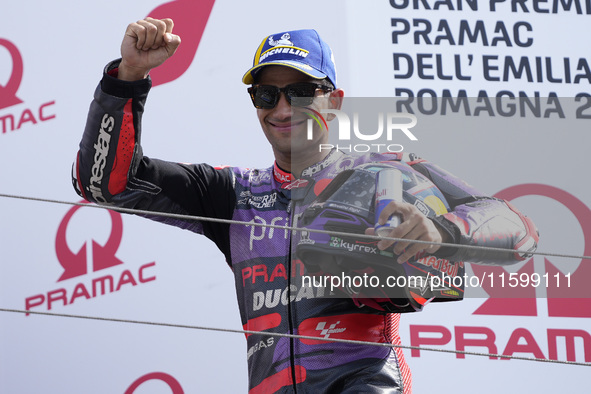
[111,169]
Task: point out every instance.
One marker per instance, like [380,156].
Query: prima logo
[263,229]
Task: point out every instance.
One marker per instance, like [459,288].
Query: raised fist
[147,44]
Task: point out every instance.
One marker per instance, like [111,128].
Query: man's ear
[335,101]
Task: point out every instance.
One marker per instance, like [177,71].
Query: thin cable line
[252,223]
[347,341]
[274,226]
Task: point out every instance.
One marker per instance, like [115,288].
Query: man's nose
[283,107]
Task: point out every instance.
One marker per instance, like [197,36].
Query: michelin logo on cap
[284,40]
[302,50]
[282,46]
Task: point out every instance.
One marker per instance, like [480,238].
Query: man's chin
[302,149]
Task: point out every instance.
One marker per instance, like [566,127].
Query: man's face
[285,126]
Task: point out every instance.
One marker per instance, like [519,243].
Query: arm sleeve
[110,167]
[479,220]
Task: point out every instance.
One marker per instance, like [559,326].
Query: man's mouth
[287,126]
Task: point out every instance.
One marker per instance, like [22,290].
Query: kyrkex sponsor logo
[101,150]
[336,242]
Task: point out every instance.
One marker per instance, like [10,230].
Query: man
[111,169]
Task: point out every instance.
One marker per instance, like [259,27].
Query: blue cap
[302,50]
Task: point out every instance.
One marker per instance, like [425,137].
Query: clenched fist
[146,45]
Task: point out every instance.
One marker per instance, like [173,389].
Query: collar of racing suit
[284,177]
[307,179]
[281,175]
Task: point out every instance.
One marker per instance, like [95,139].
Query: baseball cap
[302,50]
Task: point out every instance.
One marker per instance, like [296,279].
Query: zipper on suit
[291,212]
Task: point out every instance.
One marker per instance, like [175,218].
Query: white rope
[228,221]
[275,334]
[252,223]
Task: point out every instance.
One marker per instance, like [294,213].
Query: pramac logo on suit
[12,116]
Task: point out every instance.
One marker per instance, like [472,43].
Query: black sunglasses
[267,96]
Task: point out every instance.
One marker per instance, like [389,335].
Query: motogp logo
[325,332]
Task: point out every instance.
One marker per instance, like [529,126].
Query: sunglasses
[267,96]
